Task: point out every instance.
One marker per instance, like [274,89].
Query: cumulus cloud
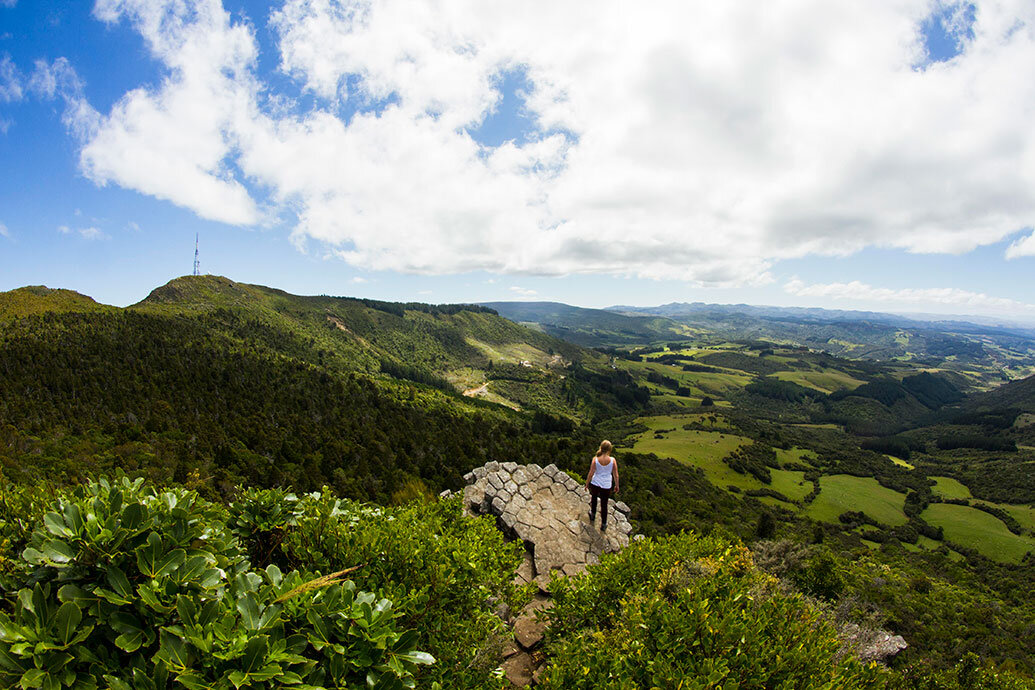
[912,297]
[703,142]
[1024,246]
[176,141]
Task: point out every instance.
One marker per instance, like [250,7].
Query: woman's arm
[616,474]
[592,469]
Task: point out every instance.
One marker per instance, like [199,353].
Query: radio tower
[197,262]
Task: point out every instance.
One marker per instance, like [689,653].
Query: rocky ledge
[549,511]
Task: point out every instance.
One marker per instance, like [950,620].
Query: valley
[918,463]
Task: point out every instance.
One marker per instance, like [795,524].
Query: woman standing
[601,482]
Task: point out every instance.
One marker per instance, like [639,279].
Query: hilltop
[38,299]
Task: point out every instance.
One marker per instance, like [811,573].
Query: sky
[839,154]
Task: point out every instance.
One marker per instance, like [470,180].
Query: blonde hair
[605,448]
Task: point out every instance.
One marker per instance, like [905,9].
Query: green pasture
[714,384]
[803,456]
[928,543]
[947,487]
[704,449]
[511,353]
[900,462]
[841,492]
[791,483]
[826,381]
[1023,514]
[978,530]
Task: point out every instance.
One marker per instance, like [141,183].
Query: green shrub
[447,572]
[691,612]
[132,588]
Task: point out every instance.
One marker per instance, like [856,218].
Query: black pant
[603,494]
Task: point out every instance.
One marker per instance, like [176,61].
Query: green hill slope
[37,299]
[212,381]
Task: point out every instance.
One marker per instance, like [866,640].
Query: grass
[1023,514]
[900,462]
[947,487]
[795,455]
[791,484]
[826,381]
[928,543]
[704,449]
[978,530]
[840,493]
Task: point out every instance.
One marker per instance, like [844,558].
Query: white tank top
[602,476]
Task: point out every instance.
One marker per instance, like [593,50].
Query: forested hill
[37,299]
[211,382]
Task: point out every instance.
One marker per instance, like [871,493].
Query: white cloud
[4,232]
[174,142]
[10,81]
[87,233]
[703,142]
[358,280]
[1024,246]
[8,3]
[523,292]
[916,298]
[92,233]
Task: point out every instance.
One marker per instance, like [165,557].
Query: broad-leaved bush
[132,588]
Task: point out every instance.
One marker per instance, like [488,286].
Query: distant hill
[38,299]
[995,353]
[588,327]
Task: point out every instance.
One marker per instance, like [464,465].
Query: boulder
[518,669]
[528,630]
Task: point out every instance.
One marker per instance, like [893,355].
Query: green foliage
[446,572]
[135,588]
[691,612]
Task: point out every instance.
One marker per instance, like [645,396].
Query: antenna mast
[197,262]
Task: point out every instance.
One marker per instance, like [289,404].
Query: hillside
[222,382]
[874,488]
[37,299]
[989,354]
[588,327]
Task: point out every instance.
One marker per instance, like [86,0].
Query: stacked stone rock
[549,511]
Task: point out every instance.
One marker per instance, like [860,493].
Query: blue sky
[878,158]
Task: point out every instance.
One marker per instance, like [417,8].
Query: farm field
[1025,515]
[900,462]
[704,449]
[826,381]
[947,487]
[791,483]
[840,493]
[978,530]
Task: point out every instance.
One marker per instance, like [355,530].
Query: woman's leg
[592,503]
[604,495]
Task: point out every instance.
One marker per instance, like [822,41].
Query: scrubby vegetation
[291,449]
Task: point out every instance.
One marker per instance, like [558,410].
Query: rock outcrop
[549,512]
